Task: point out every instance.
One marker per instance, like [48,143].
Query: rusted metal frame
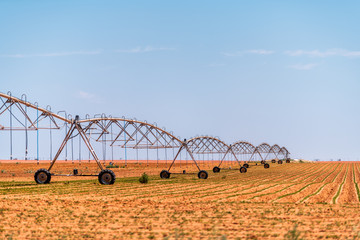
[194,144]
[160,136]
[144,135]
[224,157]
[137,145]
[271,151]
[203,146]
[211,144]
[236,147]
[199,144]
[134,121]
[23,112]
[123,129]
[32,106]
[167,143]
[63,144]
[41,117]
[192,157]
[255,151]
[276,154]
[235,156]
[215,144]
[267,155]
[176,143]
[204,142]
[243,148]
[88,144]
[221,147]
[53,120]
[3,105]
[88,127]
[177,154]
[249,148]
[262,157]
[229,150]
[137,130]
[7,101]
[13,115]
[275,150]
[264,147]
[184,145]
[130,136]
[12,103]
[103,130]
[151,131]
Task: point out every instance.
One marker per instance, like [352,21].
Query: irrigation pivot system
[17,114]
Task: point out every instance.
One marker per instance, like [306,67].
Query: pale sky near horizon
[284,72]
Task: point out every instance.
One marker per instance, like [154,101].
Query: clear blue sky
[285,72]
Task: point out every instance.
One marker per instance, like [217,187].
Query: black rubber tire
[203,174]
[280,162]
[246,165]
[273,161]
[216,169]
[266,165]
[42,176]
[287,160]
[106,177]
[243,170]
[164,174]
[262,162]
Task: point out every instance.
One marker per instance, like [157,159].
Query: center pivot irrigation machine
[17,114]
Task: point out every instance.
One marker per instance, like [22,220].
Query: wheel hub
[106,177]
[42,177]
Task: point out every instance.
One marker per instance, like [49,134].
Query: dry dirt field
[304,200]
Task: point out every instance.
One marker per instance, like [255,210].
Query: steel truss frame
[125,130]
[201,145]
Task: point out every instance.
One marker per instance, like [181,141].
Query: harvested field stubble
[322,199]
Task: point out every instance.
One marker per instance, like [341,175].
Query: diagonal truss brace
[184,146]
[77,126]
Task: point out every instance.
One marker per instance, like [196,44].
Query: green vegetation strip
[313,173]
[261,195]
[286,188]
[339,190]
[313,194]
[331,173]
[289,194]
[356,185]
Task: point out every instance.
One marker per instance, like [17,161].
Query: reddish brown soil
[260,204]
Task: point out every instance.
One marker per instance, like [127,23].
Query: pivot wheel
[42,176]
[246,165]
[243,170]
[165,174]
[106,177]
[266,165]
[216,169]
[203,174]
[262,162]
[287,160]
[273,161]
[280,162]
